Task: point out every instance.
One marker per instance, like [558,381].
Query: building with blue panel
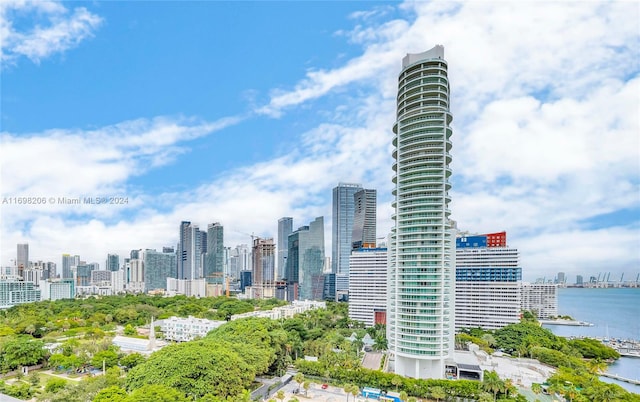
[488,284]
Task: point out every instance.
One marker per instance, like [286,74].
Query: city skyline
[143,101]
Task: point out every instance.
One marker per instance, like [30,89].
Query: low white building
[187,287]
[288,311]
[187,329]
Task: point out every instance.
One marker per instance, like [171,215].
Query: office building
[83,274]
[579,280]
[364,219]
[113,262]
[285,228]
[240,259]
[22,260]
[157,268]
[368,286]
[245,279]
[420,306]
[48,269]
[329,286]
[541,299]
[305,262]
[189,251]
[342,228]
[561,279]
[488,283]
[264,259]
[215,255]
[69,261]
[135,282]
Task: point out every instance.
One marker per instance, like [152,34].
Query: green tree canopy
[194,368]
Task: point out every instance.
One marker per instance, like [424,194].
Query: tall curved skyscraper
[421,287]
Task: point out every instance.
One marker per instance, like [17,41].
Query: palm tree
[492,383]
[437,392]
[596,366]
[403,396]
[380,343]
[355,390]
[280,395]
[396,380]
[536,388]
[306,386]
[299,378]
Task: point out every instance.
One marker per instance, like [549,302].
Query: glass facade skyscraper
[285,227]
[342,228]
[113,262]
[420,303]
[306,260]
[364,219]
[214,257]
[157,268]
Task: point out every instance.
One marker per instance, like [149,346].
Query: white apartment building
[57,290]
[368,286]
[187,287]
[288,311]
[187,329]
[421,253]
[541,299]
[488,287]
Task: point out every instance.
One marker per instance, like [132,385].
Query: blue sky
[244,112]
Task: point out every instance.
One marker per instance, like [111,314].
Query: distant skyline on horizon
[243,113]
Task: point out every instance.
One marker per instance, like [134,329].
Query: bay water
[614,313]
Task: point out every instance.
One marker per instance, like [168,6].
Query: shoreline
[572,323]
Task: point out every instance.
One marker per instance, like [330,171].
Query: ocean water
[614,313]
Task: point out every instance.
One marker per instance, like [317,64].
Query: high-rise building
[240,259]
[157,268]
[488,283]
[579,280]
[561,279]
[22,260]
[69,261]
[305,262]
[342,228]
[368,286]
[541,299]
[135,282]
[214,258]
[285,227]
[189,251]
[113,262]
[14,292]
[364,219]
[263,261]
[420,303]
[83,274]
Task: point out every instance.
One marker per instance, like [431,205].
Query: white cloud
[545,101]
[64,29]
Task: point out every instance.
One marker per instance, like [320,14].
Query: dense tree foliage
[593,349]
[55,317]
[16,351]
[514,337]
[194,368]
